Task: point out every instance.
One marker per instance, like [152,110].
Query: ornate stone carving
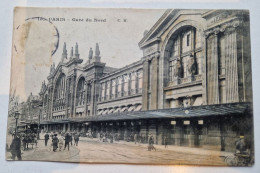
[192,65]
[223,27]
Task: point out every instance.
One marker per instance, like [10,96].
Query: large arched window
[80,95]
[182,48]
[59,93]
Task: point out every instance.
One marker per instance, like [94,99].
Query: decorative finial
[97,51]
[64,53]
[90,55]
[76,49]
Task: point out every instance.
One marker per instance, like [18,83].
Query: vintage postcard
[132,86]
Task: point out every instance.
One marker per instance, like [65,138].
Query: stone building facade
[192,87]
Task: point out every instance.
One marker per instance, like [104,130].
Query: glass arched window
[80,95]
[59,93]
[182,47]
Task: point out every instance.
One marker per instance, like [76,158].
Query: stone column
[154,83]
[145,85]
[67,98]
[73,95]
[204,73]
[51,102]
[86,98]
[231,66]
[212,69]
[93,99]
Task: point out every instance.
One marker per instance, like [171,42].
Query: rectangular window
[108,89]
[103,90]
[140,79]
[119,85]
[133,79]
[126,82]
[113,87]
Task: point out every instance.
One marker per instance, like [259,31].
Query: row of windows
[121,86]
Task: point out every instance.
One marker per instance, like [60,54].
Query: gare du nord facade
[192,86]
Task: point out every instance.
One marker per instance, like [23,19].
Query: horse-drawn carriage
[28,137]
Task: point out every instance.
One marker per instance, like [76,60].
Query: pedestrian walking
[61,142]
[15,148]
[76,139]
[67,141]
[46,138]
[24,141]
[135,138]
[55,142]
[150,144]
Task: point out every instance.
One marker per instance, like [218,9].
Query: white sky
[34,40]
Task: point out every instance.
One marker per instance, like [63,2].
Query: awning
[138,108]
[100,112]
[233,109]
[117,110]
[110,111]
[123,109]
[131,108]
[105,112]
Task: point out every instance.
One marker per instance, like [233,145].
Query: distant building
[193,84]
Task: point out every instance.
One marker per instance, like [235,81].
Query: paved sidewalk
[42,152]
[180,149]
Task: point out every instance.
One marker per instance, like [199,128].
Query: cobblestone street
[95,151]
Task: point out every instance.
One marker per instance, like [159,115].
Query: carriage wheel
[231,160]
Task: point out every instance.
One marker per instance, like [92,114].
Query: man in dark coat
[241,145]
[67,141]
[55,142]
[46,138]
[15,148]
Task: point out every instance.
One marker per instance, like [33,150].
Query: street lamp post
[16,116]
[38,130]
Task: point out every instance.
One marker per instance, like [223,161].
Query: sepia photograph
[131,86]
